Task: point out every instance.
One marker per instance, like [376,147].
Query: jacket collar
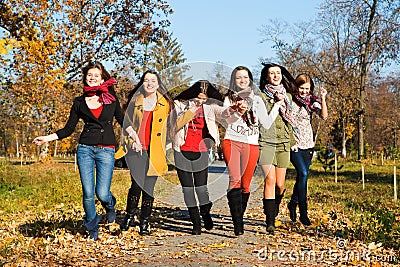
[161,101]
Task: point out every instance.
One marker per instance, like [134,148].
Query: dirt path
[171,243]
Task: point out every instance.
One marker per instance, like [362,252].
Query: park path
[171,243]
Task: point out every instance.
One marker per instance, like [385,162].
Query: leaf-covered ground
[56,237]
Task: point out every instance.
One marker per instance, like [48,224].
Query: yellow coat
[158,136]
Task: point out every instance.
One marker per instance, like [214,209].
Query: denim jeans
[89,158]
[301,161]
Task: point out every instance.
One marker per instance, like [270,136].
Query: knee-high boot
[278,200]
[235,205]
[269,211]
[205,214]
[292,210]
[131,209]
[245,199]
[195,219]
[303,214]
[147,206]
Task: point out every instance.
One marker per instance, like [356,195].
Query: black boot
[303,214]
[205,214]
[131,209]
[235,206]
[292,210]
[269,211]
[195,219]
[245,199]
[147,206]
[93,227]
[278,200]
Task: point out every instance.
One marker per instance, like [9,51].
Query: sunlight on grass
[44,202]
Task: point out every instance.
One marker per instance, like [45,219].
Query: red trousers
[241,159]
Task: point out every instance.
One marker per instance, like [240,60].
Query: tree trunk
[55,149]
[363,77]
[344,141]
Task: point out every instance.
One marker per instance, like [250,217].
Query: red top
[145,129]
[96,112]
[197,131]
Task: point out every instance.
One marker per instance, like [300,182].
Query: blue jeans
[301,161]
[89,158]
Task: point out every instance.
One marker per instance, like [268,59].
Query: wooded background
[351,50]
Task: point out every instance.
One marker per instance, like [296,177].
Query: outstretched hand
[40,140]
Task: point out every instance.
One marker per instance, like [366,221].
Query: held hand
[199,101]
[281,102]
[137,146]
[241,106]
[279,97]
[294,148]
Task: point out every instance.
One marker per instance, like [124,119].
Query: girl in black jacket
[97,107]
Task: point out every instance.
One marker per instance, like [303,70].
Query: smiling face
[150,84]
[242,79]
[93,77]
[304,89]
[274,76]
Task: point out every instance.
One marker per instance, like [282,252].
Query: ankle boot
[131,210]
[195,219]
[269,211]
[278,200]
[292,210]
[303,214]
[235,205]
[245,199]
[93,227]
[145,213]
[205,214]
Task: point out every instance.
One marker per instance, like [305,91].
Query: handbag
[120,161]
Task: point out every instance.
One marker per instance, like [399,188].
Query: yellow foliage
[349,130]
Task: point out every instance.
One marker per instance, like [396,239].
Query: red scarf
[102,91]
[310,102]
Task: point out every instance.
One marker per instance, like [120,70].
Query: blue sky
[228,31]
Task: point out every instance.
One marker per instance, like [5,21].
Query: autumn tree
[350,40]
[167,58]
[52,40]
[374,33]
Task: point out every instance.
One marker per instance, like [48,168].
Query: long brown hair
[287,78]
[161,89]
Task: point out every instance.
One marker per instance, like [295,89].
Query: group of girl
[269,125]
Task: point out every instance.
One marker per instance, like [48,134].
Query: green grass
[42,200]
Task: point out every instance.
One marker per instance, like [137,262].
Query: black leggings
[141,182]
[192,169]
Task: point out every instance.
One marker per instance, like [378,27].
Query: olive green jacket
[280,131]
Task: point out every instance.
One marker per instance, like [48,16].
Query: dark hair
[287,78]
[94,65]
[248,116]
[161,89]
[104,73]
[201,86]
[302,79]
